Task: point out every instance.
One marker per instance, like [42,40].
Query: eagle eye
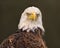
[28,14]
[37,14]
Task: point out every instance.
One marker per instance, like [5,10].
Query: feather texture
[23,39]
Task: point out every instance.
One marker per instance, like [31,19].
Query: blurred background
[10,12]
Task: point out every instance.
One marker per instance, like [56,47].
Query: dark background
[10,11]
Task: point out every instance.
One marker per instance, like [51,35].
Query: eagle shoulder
[24,40]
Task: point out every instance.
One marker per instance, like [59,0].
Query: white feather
[28,24]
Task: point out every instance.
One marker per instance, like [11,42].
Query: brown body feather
[24,40]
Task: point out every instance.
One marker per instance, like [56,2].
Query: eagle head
[31,19]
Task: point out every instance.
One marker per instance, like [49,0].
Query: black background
[10,11]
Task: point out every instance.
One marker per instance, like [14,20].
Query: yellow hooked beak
[32,16]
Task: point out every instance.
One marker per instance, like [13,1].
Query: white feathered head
[31,19]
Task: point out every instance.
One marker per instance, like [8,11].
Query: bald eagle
[30,31]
